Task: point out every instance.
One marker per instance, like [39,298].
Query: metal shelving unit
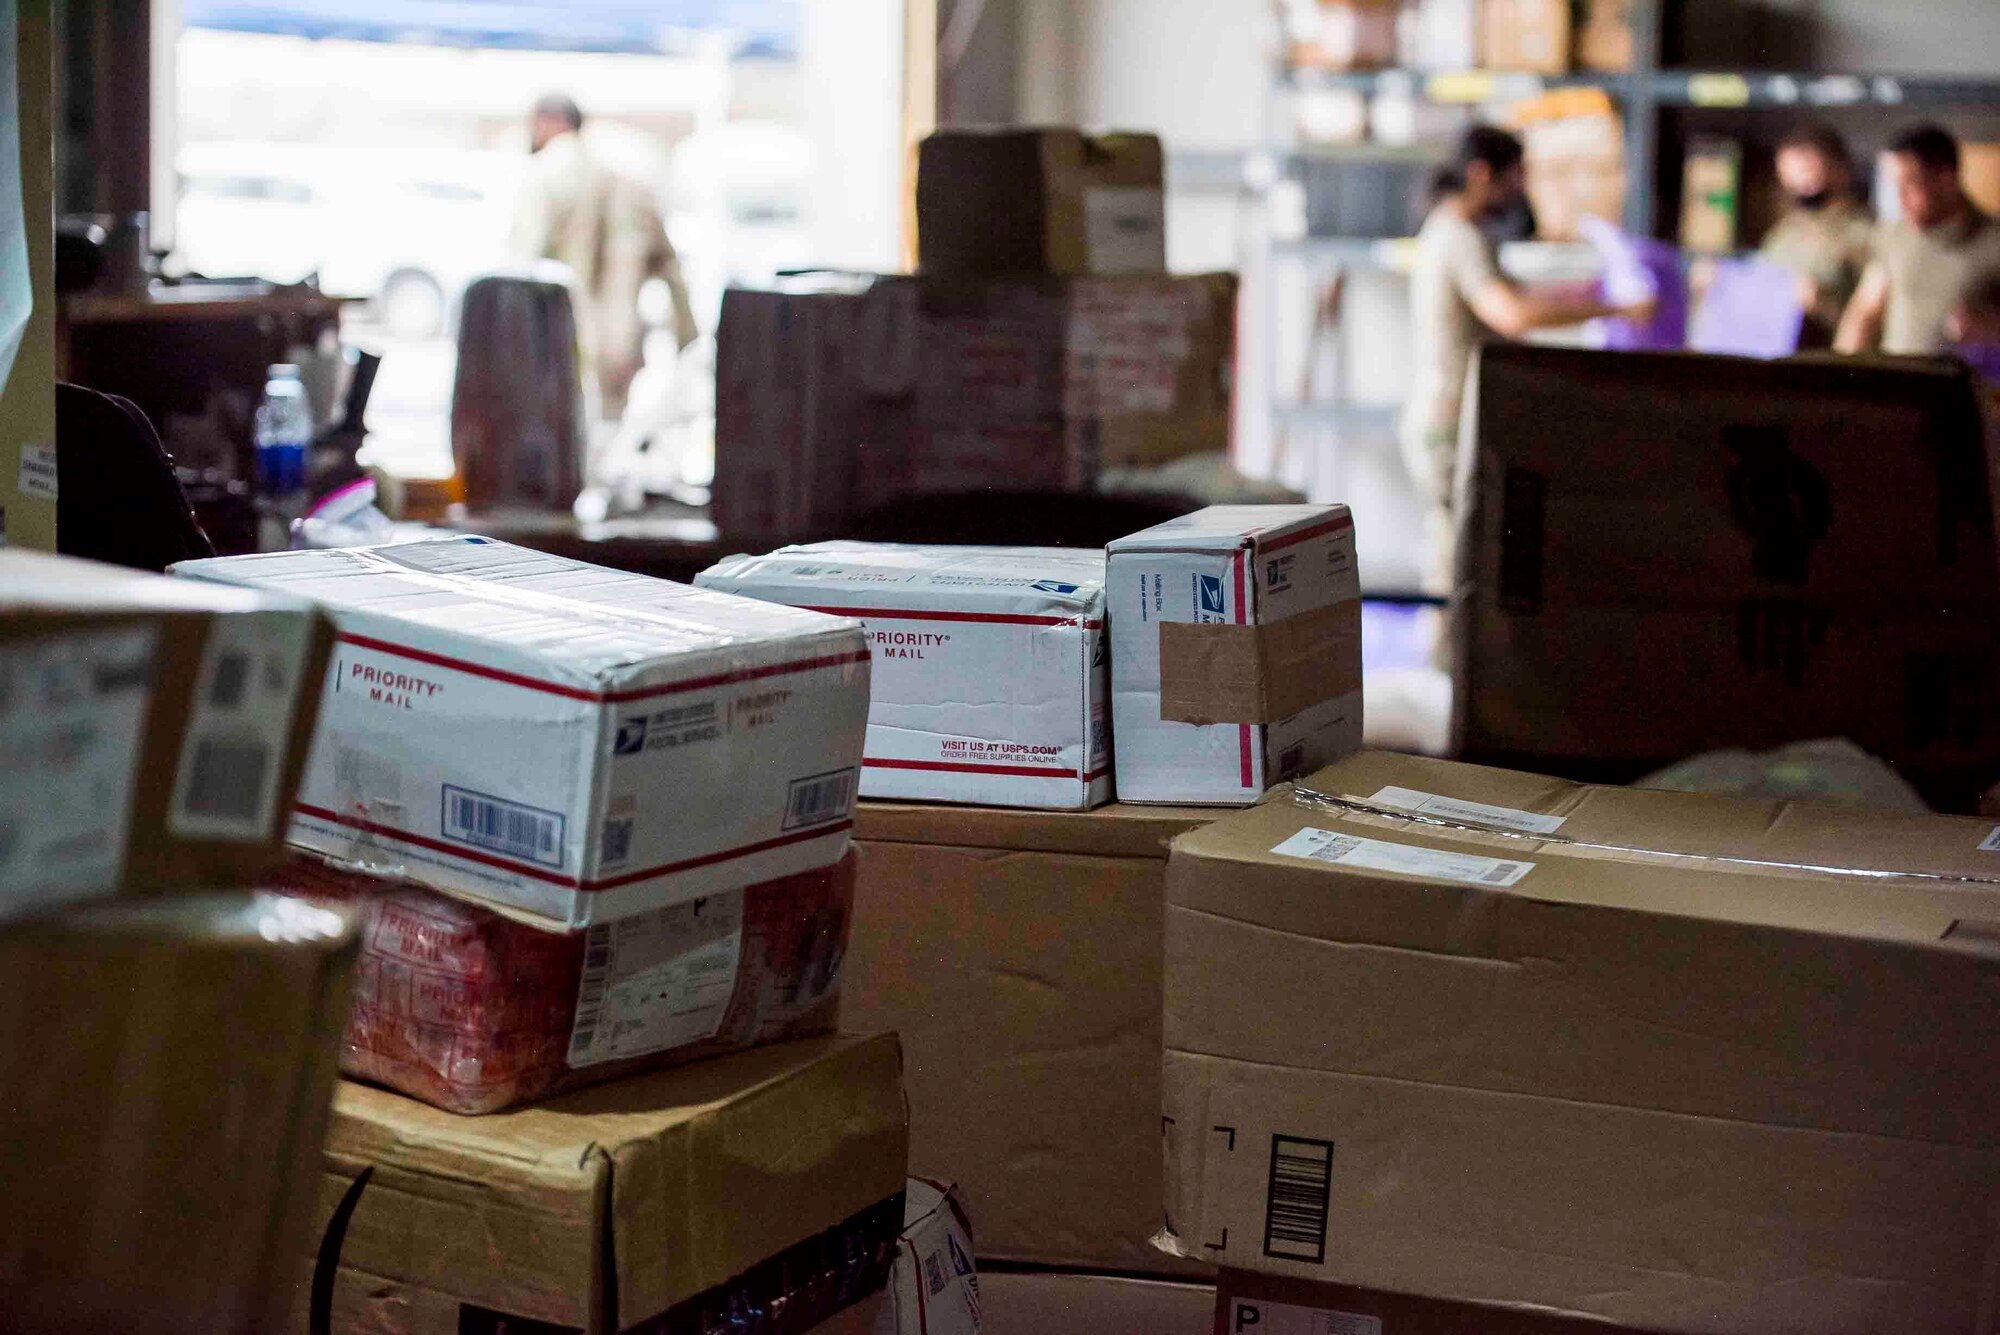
[1643,96]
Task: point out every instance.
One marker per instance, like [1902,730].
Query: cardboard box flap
[682,1166]
[1224,528]
[1118,830]
[543,615]
[1419,885]
[1217,673]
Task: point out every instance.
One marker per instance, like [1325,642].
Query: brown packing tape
[1211,673]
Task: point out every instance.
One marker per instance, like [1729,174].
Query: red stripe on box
[600,697]
[979,618]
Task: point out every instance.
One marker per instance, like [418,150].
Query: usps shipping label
[1220,579]
[575,805]
[72,722]
[990,681]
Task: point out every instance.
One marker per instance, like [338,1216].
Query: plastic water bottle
[284,435]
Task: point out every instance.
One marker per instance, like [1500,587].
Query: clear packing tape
[1314,799]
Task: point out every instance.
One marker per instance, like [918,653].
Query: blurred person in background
[1923,260]
[607,229]
[1460,299]
[1825,234]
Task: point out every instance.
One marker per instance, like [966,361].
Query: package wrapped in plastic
[473,1011]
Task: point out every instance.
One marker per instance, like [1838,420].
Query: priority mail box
[1235,651]
[989,683]
[572,742]
[152,732]
[1680,1062]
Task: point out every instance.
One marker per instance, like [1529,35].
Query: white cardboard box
[990,681]
[576,743]
[1235,651]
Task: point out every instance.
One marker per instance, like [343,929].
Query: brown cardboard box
[1574,142]
[28,482]
[1642,1056]
[1018,954]
[1040,201]
[1725,552]
[1342,34]
[1605,42]
[619,1208]
[1253,1304]
[153,729]
[1711,195]
[1527,35]
[168,1070]
[836,396]
[1057,1302]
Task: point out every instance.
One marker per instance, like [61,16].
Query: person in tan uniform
[607,229]
[1826,235]
[1923,261]
[1458,300]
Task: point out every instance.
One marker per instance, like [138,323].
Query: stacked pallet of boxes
[166,1037]
[1013,937]
[1041,342]
[590,826]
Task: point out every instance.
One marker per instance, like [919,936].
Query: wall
[851,67]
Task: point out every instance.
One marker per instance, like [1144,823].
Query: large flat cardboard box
[1235,651]
[836,396]
[1688,1063]
[644,1205]
[1059,1302]
[1049,200]
[1018,955]
[1724,552]
[943,724]
[1251,1304]
[168,1070]
[152,732]
[571,742]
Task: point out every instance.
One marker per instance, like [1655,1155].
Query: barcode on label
[819,798]
[1295,1205]
[226,778]
[504,827]
[590,993]
[231,680]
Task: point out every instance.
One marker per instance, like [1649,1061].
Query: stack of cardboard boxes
[166,1038]
[588,824]
[1041,342]
[1014,938]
